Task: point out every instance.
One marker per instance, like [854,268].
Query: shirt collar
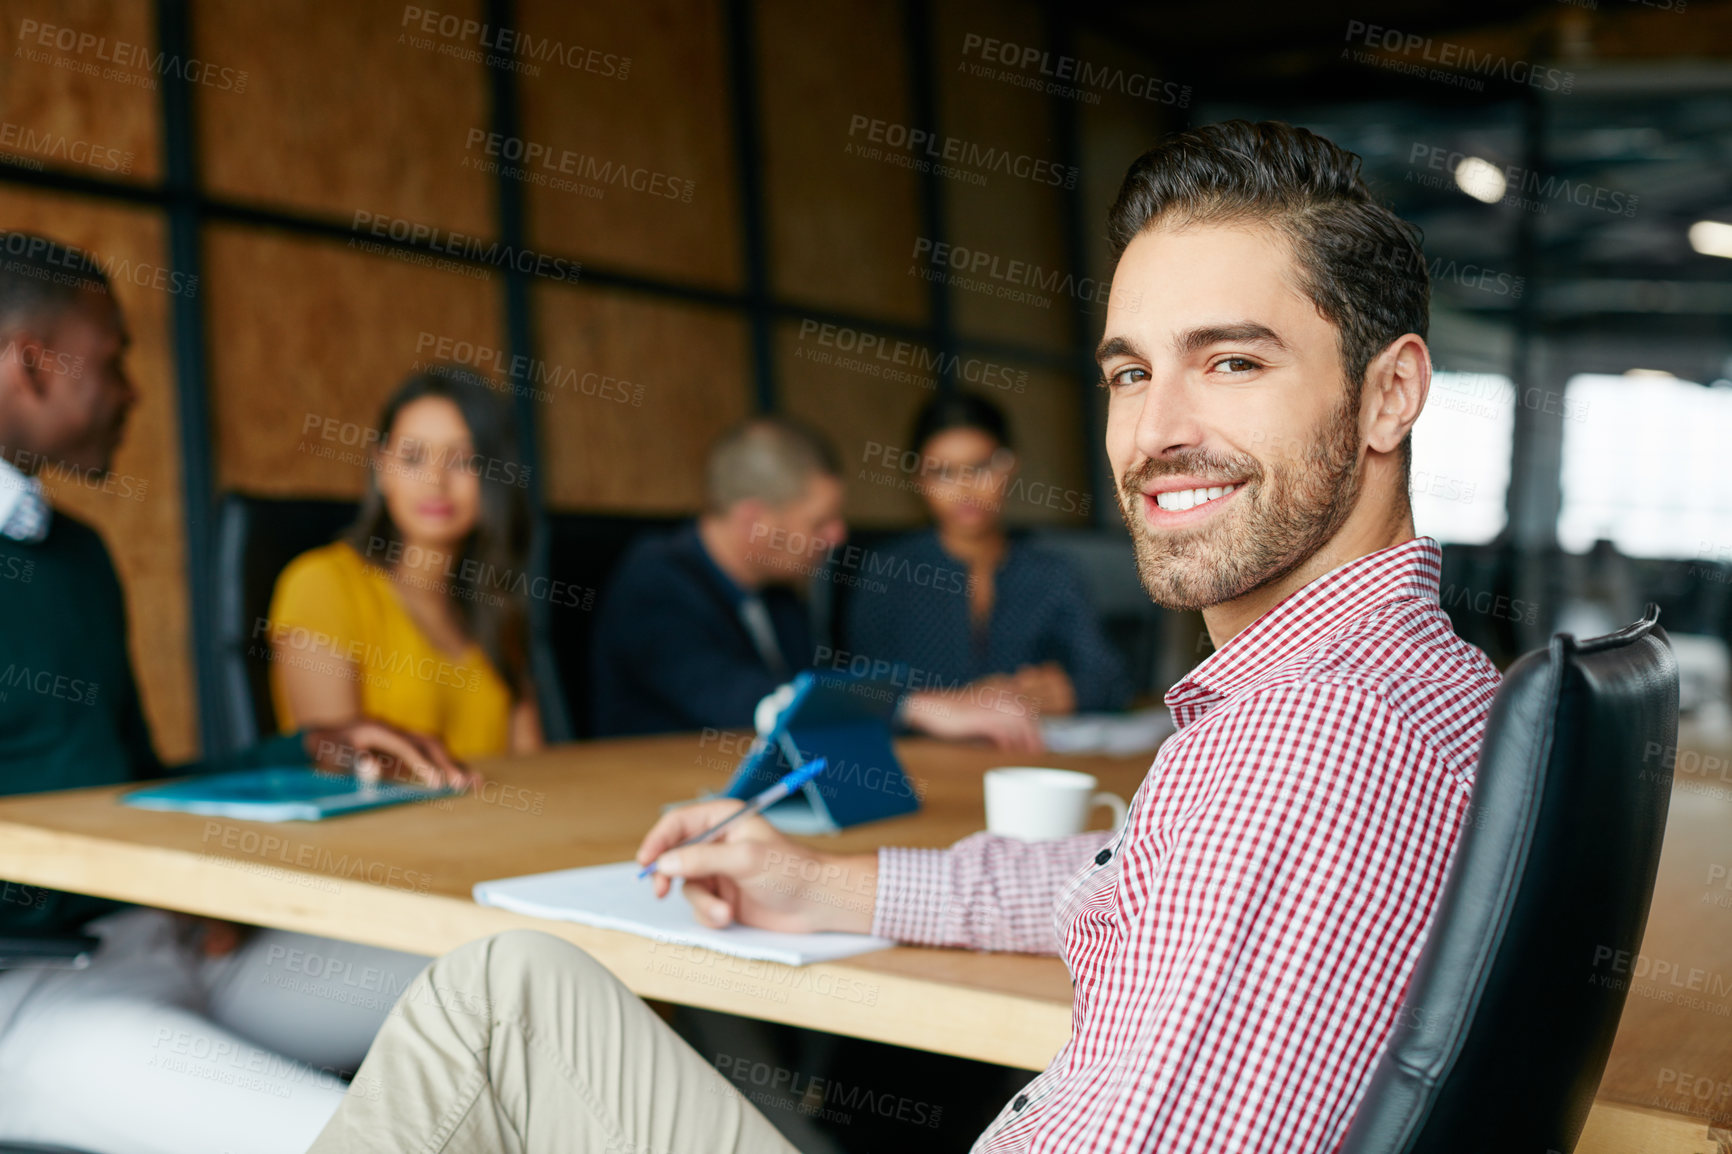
[1305,617]
[24,511]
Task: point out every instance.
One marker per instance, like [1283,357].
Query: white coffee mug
[1034,804]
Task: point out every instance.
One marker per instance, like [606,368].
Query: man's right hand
[1048,686]
[751,874]
[984,710]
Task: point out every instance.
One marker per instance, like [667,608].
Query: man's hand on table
[984,711]
[752,875]
[1048,686]
[372,749]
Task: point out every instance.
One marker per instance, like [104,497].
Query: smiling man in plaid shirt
[1240,947]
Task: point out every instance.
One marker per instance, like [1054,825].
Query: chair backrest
[1478,590]
[1505,1029]
[256,537]
[583,549]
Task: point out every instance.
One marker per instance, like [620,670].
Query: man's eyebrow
[1243,333]
[1114,347]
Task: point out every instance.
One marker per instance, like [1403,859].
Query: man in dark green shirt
[120,1056]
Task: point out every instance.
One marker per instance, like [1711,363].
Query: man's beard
[1275,528]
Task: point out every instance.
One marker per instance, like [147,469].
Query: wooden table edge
[1620,1128]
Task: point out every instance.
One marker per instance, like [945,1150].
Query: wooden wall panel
[866,403]
[1047,421]
[1028,288]
[1113,133]
[138,509]
[647,385]
[842,227]
[304,331]
[345,111]
[56,115]
[630,100]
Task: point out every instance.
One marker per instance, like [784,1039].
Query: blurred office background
[649,218]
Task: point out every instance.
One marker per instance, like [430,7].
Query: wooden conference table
[401,878]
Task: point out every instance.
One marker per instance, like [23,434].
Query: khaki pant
[523,1044]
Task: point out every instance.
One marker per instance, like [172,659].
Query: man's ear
[751,520]
[1396,384]
[21,358]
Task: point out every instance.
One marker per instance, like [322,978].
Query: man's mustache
[1199,463]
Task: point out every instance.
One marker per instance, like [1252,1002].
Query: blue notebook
[276,795]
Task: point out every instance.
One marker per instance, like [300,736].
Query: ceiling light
[1711,238]
[1480,179]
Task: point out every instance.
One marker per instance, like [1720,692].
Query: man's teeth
[1179,500]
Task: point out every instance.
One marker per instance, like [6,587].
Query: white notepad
[611,897]
[1111,733]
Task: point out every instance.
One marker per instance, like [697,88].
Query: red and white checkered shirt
[1241,947]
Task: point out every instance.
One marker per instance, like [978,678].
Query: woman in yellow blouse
[416,615]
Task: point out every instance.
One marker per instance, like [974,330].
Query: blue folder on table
[846,720]
[276,795]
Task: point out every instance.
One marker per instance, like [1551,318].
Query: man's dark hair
[1360,264]
[40,277]
[959,411]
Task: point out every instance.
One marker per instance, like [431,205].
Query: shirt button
[1103,857]
[1021,1101]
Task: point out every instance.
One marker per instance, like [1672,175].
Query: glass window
[1644,465]
[1461,457]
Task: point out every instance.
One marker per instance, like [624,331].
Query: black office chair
[583,550]
[1484,605]
[255,538]
[1512,1008]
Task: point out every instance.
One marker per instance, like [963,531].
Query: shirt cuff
[913,903]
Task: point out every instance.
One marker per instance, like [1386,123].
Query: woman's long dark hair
[485,581]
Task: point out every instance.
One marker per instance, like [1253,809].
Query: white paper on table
[1121,733]
[611,897]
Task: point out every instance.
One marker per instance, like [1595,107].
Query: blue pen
[759,804]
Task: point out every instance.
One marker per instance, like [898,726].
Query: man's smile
[1175,502]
